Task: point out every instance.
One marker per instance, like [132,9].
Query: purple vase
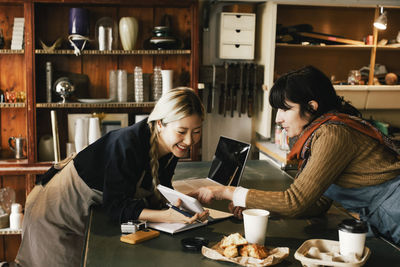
[79,24]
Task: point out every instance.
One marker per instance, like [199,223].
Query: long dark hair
[306,84]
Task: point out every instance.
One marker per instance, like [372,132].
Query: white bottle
[16,216]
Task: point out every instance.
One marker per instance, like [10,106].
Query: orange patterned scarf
[300,150]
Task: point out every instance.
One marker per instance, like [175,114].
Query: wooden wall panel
[145,20]
[97,68]
[329,20]
[336,62]
[18,184]
[51,22]
[180,22]
[13,123]
[11,244]
[7,14]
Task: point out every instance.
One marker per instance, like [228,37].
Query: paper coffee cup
[255,225]
[352,235]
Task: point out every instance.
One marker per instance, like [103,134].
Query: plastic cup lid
[353,226]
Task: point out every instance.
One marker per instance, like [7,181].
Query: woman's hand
[172,216]
[236,210]
[207,193]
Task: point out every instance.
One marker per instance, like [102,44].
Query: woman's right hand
[171,216]
[207,193]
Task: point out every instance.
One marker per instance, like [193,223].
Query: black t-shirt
[115,163]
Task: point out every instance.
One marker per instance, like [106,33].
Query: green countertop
[103,247]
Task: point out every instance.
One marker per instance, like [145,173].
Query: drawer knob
[237,30]
[237,45]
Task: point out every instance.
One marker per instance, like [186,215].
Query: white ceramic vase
[128,32]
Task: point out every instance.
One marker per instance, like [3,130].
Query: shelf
[96,105]
[12,105]
[9,51]
[8,231]
[115,52]
[273,151]
[371,96]
[21,167]
[339,47]
[377,88]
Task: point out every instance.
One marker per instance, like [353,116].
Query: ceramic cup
[255,225]
[94,130]
[113,85]
[167,80]
[122,85]
[81,134]
[352,235]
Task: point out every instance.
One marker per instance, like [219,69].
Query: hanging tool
[240,91]
[246,90]
[213,92]
[226,90]
[234,91]
[210,93]
[221,99]
[252,95]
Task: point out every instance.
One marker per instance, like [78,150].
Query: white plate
[94,100]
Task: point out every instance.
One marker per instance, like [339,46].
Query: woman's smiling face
[178,136]
[291,120]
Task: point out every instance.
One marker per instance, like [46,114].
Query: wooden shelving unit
[340,47]
[95,105]
[24,70]
[115,52]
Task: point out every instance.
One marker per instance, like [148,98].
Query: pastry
[233,239]
[254,250]
[231,251]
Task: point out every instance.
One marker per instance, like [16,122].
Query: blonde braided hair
[174,105]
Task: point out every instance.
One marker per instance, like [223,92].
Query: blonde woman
[120,171]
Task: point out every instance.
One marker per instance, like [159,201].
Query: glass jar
[354,77]
[139,93]
[157,83]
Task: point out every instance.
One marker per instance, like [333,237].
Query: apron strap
[45,178]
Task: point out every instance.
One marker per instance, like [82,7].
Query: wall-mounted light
[381,22]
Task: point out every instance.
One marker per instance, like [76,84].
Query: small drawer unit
[237,35]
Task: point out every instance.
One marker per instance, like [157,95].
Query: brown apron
[54,221]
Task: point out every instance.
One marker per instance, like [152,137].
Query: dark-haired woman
[341,157]
[120,171]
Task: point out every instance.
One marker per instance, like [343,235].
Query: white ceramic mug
[255,225]
[352,234]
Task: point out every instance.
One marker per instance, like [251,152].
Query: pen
[187,214]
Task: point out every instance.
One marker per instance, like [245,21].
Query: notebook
[227,166]
[190,205]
